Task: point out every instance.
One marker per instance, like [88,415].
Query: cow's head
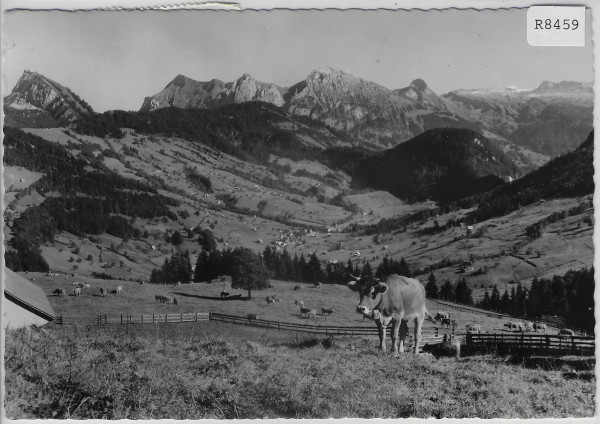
[369,294]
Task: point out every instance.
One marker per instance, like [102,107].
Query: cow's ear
[353,285]
[381,288]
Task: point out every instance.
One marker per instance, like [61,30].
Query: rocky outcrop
[44,101]
[184,92]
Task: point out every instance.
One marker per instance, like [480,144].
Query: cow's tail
[429,317]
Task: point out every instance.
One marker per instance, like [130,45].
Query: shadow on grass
[232,297]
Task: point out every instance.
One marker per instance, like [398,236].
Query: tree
[462,293]
[176,238]
[248,271]
[207,240]
[431,288]
[313,271]
[447,291]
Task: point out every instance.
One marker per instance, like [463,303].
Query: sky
[113,59]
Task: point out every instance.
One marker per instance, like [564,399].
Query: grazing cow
[59,292]
[327,311]
[224,295]
[102,291]
[298,287]
[77,291]
[397,300]
[269,300]
[85,286]
[76,284]
[251,317]
[566,332]
[446,321]
[119,289]
[540,326]
[299,303]
[308,313]
[442,315]
[473,328]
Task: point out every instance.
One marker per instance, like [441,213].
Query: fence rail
[528,342]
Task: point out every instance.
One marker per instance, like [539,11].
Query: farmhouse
[24,303]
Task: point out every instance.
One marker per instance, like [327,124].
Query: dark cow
[397,300]
[224,295]
[308,313]
[103,291]
[442,315]
[317,284]
[447,322]
[175,301]
[59,292]
[251,317]
[327,311]
[269,300]
[297,287]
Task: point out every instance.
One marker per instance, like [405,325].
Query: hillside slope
[441,164]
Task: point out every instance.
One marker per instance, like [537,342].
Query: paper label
[556,26]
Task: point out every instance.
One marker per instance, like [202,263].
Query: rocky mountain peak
[35,92]
[418,84]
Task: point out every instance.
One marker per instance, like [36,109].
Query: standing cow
[77,291]
[119,289]
[540,326]
[102,291]
[398,300]
[269,300]
[59,292]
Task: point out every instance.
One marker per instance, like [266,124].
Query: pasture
[210,371]
[204,297]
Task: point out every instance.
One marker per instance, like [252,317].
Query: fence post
[152,318]
[278,326]
[142,318]
[121,318]
[181,316]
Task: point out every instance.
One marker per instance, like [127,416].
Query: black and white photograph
[242,213]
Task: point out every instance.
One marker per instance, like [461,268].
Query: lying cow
[59,292]
[327,311]
[473,328]
[445,348]
[397,300]
[566,332]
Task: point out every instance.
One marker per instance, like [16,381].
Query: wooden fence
[527,343]
[430,335]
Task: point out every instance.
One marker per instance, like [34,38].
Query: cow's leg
[418,324]
[395,329]
[381,329]
[403,334]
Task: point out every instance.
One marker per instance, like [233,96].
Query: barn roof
[27,295]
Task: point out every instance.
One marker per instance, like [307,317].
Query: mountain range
[528,125]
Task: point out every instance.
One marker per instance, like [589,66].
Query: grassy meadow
[182,371]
